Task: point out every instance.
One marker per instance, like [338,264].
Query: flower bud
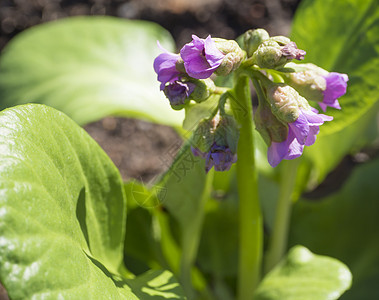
[284,102]
[253,38]
[281,40]
[220,157]
[233,56]
[203,89]
[308,83]
[178,93]
[270,128]
[269,55]
[290,51]
[317,84]
[216,141]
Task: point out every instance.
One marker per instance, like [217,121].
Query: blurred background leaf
[345,225]
[304,275]
[89,68]
[342,36]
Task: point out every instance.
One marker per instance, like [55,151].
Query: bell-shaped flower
[317,84]
[178,93]
[219,157]
[288,149]
[216,141]
[165,67]
[201,57]
[301,132]
[303,123]
[336,85]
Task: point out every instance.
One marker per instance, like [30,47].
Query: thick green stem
[191,239]
[279,236]
[250,217]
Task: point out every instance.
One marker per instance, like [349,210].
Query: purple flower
[219,157]
[201,57]
[301,132]
[336,84]
[165,67]
[177,92]
[289,149]
[290,51]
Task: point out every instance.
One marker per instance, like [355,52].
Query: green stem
[279,236]
[191,239]
[250,217]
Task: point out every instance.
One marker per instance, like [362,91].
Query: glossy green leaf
[342,36]
[304,275]
[156,285]
[62,211]
[345,225]
[89,68]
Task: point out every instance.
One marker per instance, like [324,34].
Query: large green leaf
[88,67]
[303,275]
[345,225]
[62,212]
[342,36]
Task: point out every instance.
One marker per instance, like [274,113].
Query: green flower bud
[270,128]
[309,80]
[233,56]
[269,55]
[284,102]
[203,136]
[275,52]
[253,38]
[203,89]
[281,40]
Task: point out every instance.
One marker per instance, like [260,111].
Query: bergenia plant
[229,219]
[284,118]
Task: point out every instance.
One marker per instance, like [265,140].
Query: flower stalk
[250,217]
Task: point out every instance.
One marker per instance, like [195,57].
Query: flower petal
[300,128]
[289,149]
[336,85]
[165,67]
[212,54]
[201,57]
